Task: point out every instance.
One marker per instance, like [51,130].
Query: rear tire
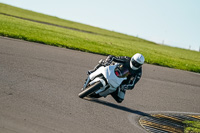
[96,86]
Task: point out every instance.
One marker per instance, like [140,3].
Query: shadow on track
[155,123]
[119,107]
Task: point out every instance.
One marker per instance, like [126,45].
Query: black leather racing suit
[132,78]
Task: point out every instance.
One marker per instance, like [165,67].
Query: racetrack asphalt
[39,86]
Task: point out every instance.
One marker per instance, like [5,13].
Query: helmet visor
[136,64]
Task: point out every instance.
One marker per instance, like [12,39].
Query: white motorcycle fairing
[109,74]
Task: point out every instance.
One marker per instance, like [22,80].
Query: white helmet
[137,61]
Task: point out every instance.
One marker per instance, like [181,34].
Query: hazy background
[171,22]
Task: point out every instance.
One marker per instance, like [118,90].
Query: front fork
[86,83]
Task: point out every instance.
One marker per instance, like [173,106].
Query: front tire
[96,86]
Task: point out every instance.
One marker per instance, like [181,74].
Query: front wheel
[93,88]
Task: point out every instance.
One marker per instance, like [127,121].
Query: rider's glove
[107,63]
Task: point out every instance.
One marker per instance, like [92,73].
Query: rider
[134,65]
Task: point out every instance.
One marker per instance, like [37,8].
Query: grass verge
[192,126]
[103,42]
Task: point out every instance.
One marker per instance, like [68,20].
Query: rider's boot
[118,95]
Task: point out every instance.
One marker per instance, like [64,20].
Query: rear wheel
[96,86]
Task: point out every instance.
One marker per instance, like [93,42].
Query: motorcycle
[104,81]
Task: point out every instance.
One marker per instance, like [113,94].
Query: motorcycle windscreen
[121,71]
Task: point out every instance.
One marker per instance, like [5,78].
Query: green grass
[192,126]
[102,42]
[54,20]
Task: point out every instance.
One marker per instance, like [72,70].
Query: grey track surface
[39,88]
